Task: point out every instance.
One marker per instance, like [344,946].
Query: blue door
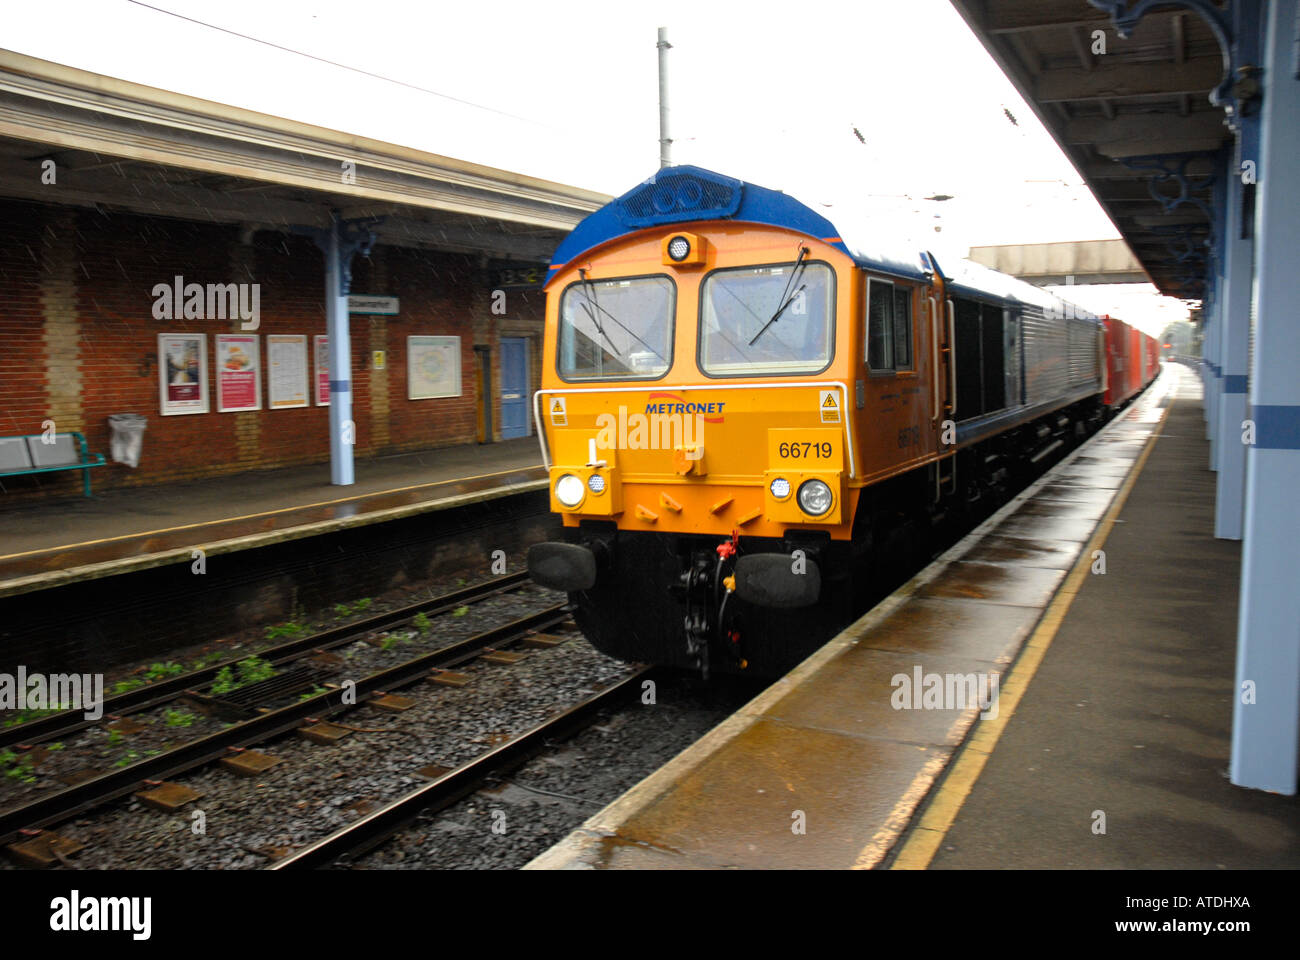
[514,387]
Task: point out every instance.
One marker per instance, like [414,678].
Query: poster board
[432,367]
[321,350]
[286,371]
[182,373]
[239,374]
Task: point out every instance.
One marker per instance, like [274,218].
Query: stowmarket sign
[368,303]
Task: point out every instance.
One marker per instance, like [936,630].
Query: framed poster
[432,367]
[239,375]
[182,373]
[286,371]
[322,350]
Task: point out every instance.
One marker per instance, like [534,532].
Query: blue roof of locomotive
[686,193]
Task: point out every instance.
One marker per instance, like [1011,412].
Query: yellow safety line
[924,841]
[266,513]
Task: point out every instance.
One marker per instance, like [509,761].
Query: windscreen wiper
[590,290]
[784,301]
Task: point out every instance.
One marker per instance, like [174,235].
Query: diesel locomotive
[751,423]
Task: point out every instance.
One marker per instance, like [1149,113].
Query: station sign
[371,304]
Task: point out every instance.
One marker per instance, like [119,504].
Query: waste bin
[127,437]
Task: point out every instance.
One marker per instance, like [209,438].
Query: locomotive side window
[767,320]
[902,328]
[617,329]
[889,326]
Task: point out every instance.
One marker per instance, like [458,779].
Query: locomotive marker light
[780,488]
[815,497]
[683,250]
[595,483]
[569,490]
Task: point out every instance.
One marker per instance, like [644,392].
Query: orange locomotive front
[703,414]
[690,419]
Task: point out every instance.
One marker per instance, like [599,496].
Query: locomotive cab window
[767,320]
[889,326]
[617,329]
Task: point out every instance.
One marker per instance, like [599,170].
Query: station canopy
[123,146]
[1136,120]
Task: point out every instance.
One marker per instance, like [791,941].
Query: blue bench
[20,456]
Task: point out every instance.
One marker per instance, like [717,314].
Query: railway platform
[1096,614]
[46,545]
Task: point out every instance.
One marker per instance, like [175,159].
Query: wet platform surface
[822,770]
[42,544]
[1130,712]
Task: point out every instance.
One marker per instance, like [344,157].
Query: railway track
[163,691]
[375,828]
[49,809]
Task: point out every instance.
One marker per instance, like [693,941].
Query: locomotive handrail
[934,352]
[952,358]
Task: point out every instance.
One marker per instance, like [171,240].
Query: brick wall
[78,341]
[24,401]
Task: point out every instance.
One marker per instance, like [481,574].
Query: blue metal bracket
[1238,87]
[355,236]
[1186,249]
[1183,247]
[1248,16]
[1173,166]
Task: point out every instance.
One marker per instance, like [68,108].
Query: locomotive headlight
[679,248]
[780,488]
[568,490]
[815,498]
[595,483]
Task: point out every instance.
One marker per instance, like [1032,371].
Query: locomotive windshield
[617,329]
[767,320]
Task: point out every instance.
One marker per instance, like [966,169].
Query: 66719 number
[806,450]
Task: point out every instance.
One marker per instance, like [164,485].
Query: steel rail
[375,828]
[58,806]
[161,691]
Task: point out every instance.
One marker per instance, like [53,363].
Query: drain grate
[294,680]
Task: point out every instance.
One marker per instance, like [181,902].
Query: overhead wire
[335,63]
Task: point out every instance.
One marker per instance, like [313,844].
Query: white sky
[767,92]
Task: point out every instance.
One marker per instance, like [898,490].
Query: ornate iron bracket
[1173,166]
[1238,86]
[1191,255]
[355,236]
